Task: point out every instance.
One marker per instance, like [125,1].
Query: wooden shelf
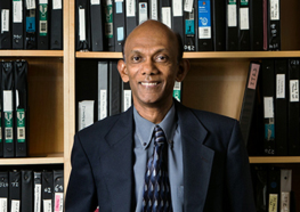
[274,159]
[31,53]
[57,159]
[199,55]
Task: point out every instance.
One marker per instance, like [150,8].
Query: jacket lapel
[197,159]
[117,163]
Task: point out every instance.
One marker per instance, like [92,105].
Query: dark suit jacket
[216,168]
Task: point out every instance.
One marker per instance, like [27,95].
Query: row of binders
[102,93]
[204,25]
[13,108]
[31,24]
[29,191]
[273,189]
[271,108]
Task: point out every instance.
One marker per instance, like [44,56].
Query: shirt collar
[144,128]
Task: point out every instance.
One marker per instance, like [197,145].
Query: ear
[122,68]
[184,67]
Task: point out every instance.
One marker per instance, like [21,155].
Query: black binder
[166,13]
[109,26]
[4,188]
[96,26]
[103,89]
[7,89]
[82,24]
[281,104]
[20,128]
[43,25]
[154,12]
[244,25]
[256,25]
[119,25]
[219,25]
[47,190]
[293,107]
[274,37]
[126,96]
[268,93]
[232,26]
[26,191]
[190,29]
[5,24]
[249,100]
[56,27]
[178,18]
[37,186]
[273,189]
[58,184]
[30,25]
[205,23]
[131,16]
[18,22]
[142,11]
[259,180]
[14,191]
[114,89]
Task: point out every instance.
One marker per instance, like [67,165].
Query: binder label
[153,10]
[268,107]
[30,4]
[130,8]
[166,16]
[86,114]
[273,199]
[294,90]
[59,202]
[204,19]
[82,27]
[30,24]
[47,204]
[57,5]
[120,33]
[280,86]
[4,20]
[43,1]
[253,76]
[244,18]
[15,206]
[244,2]
[119,7]
[0,128]
[8,116]
[270,135]
[3,204]
[109,20]
[188,5]
[95,2]
[37,197]
[274,10]
[143,12]
[285,202]
[43,19]
[231,15]
[103,104]
[17,11]
[127,99]
[177,8]
[21,125]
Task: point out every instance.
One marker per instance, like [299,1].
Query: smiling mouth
[149,83]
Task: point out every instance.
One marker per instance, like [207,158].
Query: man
[200,161]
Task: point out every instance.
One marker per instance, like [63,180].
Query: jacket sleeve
[81,191]
[238,176]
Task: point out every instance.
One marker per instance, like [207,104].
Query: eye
[136,59]
[161,58]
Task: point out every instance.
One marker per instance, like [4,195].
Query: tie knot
[159,136]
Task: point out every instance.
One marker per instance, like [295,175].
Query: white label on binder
[59,202]
[37,197]
[280,86]
[120,33]
[118,0]
[15,206]
[30,4]
[294,90]
[274,10]
[188,5]
[86,114]
[166,16]
[273,201]
[268,107]
[47,203]
[7,101]
[57,4]
[130,8]
[177,8]
[95,2]
[232,16]
[103,105]
[153,9]
[285,202]
[143,12]
[244,18]
[109,2]
[127,99]
[82,35]
[5,20]
[17,12]
[43,1]
[3,204]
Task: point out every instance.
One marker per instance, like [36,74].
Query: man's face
[151,65]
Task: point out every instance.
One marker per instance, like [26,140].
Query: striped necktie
[157,195]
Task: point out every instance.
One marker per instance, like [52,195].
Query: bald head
[152,29]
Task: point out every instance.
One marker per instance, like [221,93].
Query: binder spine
[205,28]
[219,24]
[109,26]
[47,191]
[274,37]
[119,24]
[166,13]
[4,182]
[37,183]
[114,89]
[256,25]
[96,26]
[189,30]
[56,29]
[58,197]
[5,24]
[30,26]
[102,89]
[244,26]
[26,190]
[82,26]
[14,191]
[232,26]
[18,24]
[178,17]
[43,25]
[131,16]
[126,96]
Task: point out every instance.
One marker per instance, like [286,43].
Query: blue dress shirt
[143,149]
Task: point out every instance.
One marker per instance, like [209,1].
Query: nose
[149,67]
